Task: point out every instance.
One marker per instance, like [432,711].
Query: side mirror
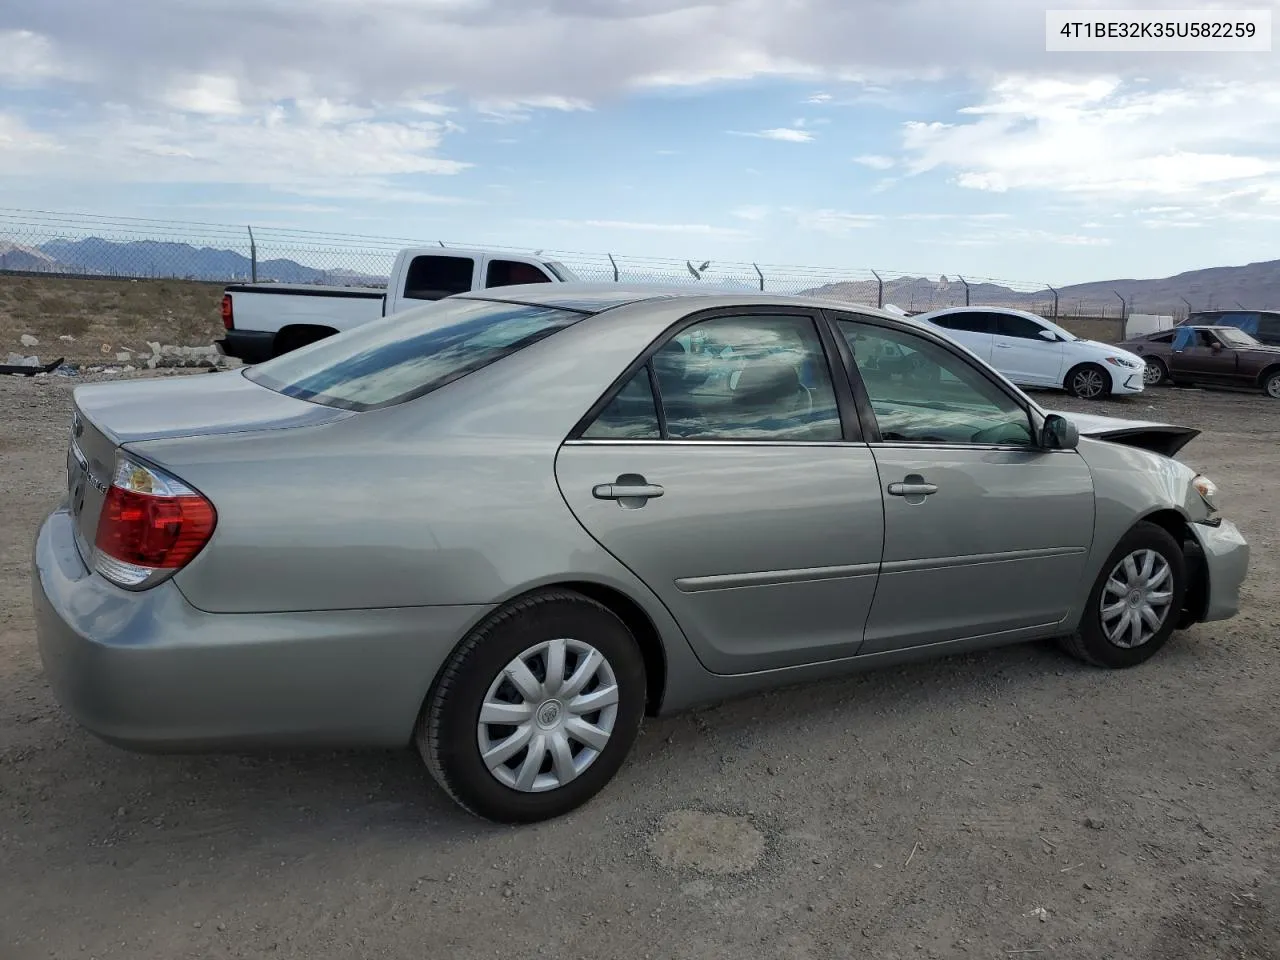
[1216,348]
[1049,335]
[1059,433]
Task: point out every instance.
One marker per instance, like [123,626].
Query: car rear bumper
[148,671]
[250,346]
[1224,554]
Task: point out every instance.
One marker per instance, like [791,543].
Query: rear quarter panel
[272,312]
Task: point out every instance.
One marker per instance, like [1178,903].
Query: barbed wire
[92,245]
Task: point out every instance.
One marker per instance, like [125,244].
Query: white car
[1033,352]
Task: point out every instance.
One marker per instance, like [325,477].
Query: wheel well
[1197,595]
[1269,371]
[299,335]
[641,627]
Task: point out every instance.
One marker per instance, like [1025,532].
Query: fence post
[1055,300]
[1190,310]
[613,263]
[253,256]
[879,289]
[966,288]
[760,275]
[1122,313]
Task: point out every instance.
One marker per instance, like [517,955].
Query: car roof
[942,311]
[595,298]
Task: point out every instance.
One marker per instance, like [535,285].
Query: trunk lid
[108,416]
[1163,438]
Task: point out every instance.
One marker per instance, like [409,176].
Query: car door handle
[918,489]
[626,491]
[1004,346]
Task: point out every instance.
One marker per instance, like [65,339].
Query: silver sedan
[504,527]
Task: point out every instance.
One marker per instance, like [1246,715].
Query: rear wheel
[1136,601]
[1155,372]
[1088,381]
[536,710]
[1271,384]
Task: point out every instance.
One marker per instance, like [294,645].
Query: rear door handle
[919,489]
[1003,346]
[626,491]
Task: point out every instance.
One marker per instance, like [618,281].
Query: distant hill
[156,258]
[1255,286]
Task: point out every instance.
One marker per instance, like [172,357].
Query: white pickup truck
[264,320]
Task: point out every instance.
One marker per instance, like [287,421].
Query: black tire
[446,733]
[1271,384]
[1089,643]
[1084,373]
[1159,372]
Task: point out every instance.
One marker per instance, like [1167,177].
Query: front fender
[1130,485]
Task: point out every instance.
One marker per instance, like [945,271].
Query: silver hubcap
[1153,373]
[1273,387]
[1136,599]
[548,715]
[1088,384]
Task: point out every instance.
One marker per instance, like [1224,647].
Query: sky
[921,136]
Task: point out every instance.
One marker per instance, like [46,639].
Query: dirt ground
[1005,804]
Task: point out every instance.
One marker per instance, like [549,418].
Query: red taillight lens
[150,524]
[228,315]
[159,532]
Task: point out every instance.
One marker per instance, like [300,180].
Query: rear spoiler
[1163,438]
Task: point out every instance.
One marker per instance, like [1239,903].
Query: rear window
[409,354]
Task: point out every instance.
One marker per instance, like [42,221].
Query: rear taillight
[151,525]
[228,315]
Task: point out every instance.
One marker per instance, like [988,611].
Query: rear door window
[433,277]
[409,354]
[968,322]
[1012,325]
[508,273]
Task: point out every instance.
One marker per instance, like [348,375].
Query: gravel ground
[1005,804]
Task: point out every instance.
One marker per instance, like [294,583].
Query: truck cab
[265,320]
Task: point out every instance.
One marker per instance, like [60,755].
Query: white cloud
[700,229]
[28,59]
[784,134]
[875,161]
[819,98]
[836,222]
[754,213]
[519,108]
[1102,138]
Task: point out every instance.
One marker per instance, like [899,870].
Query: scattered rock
[18,360]
[1093,823]
[27,340]
[124,356]
[67,338]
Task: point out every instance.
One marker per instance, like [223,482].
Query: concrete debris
[27,340]
[18,360]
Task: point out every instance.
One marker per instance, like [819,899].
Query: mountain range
[1252,286]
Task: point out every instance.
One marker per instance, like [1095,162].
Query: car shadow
[127,802]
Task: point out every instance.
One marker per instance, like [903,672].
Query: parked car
[1262,325]
[1033,352]
[265,320]
[1209,356]
[507,525]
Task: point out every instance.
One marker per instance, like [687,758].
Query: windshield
[408,354]
[1236,338]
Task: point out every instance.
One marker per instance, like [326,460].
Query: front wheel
[1135,603]
[1088,382]
[1155,372]
[1271,385]
[536,710]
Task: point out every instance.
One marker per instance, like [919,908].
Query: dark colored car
[1222,356]
[1262,325]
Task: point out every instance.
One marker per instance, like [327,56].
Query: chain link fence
[96,246]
